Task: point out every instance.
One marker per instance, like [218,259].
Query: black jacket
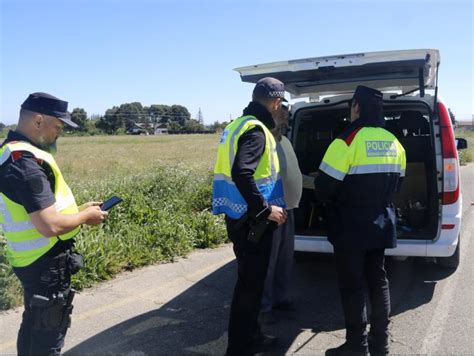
[360,209]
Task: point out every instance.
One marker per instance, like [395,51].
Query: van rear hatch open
[315,125]
[389,70]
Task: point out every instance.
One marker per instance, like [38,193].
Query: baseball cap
[47,104]
[270,88]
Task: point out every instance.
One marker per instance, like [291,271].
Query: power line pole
[200,118]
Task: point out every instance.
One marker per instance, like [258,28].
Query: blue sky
[97,54]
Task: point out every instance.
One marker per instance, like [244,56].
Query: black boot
[347,350]
[378,346]
[264,343]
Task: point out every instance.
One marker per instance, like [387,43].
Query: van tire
[451,262]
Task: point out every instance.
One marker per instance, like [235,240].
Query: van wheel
[451,262]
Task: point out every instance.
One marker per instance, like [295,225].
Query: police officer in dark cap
[247,188]
[360,172]
[40,219]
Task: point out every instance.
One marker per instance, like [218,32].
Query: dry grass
[98,157]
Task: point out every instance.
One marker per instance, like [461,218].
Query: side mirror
[461,143]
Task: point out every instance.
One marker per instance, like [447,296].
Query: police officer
[359,174]
[247,188]
[40,218]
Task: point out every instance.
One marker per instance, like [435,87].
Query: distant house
[137,128]
[160,129]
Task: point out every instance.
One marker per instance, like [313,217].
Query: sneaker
[286,305]
[346,350]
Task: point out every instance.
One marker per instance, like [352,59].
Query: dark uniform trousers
[46,276]
[361,274]
[252,265]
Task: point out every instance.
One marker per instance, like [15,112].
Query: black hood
[373,121]
[261,113]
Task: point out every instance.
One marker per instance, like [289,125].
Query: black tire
[451,262]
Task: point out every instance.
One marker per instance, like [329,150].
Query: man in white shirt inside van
[275,294]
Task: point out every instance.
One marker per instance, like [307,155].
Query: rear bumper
[320,244]
[444,246]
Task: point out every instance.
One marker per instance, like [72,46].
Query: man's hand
[277,215]
[51,223]
[89,204]
[93,215]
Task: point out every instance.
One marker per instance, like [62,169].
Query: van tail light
[450,158]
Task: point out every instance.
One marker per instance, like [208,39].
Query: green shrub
[10,289]
[467,155]
[165,214]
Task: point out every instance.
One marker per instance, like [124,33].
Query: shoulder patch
[16,155]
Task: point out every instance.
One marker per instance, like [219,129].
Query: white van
[429,203]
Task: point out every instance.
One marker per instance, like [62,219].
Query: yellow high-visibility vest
[25,244]
[226,198]
[371,150]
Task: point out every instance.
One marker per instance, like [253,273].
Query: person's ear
[357,108]
[38,120]
[277,104]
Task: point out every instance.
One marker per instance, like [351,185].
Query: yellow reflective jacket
[363,168]
[226,198]
[25,244]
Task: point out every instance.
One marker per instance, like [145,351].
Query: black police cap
[47,104]
[367,95]
[269,87]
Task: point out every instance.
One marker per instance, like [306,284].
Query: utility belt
[257,228]
[53,311]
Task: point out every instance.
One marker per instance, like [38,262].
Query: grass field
[165,182]
[466,156]
[97,158]
[166,185]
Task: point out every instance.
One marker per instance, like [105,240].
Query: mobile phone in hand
[110,203]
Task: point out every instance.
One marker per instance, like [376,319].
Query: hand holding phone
[110,203]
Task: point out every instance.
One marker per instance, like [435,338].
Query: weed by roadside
[165,214]
[467,155]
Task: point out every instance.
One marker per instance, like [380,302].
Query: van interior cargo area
[417,202]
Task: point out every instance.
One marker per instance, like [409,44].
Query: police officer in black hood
[359,174]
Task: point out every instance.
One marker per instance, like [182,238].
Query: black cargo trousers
[252,265]
[43,330]
[361,274]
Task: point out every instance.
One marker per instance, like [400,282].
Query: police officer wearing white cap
[40,219]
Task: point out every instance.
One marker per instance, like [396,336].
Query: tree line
[136,118]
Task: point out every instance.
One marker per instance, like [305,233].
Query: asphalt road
[183,307]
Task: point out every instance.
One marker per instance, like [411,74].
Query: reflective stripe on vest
[25,244]
[226,197]
[372,150]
